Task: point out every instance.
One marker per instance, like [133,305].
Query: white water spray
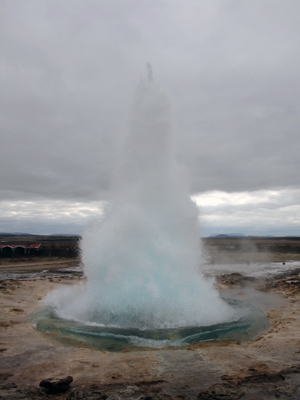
[142,259]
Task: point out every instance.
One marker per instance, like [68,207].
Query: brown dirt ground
[267,367]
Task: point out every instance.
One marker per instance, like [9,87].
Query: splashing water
[142,259]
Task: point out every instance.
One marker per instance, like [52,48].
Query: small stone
[8,386]
[55,385]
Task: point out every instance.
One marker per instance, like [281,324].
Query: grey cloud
[69,70]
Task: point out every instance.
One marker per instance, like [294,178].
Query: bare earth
[267,367]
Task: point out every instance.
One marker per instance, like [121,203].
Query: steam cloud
[142,259]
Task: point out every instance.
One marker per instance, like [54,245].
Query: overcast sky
[69,69]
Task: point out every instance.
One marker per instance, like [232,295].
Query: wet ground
[266,367]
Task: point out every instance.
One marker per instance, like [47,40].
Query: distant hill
[65,235]
[227,235]
[21,234]
[16,234]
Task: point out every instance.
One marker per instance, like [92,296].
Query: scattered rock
[142,390]
[4,375]
[256,381]
[55,385]
[130,392]
[223,391]
[7,286]
[235,278]
[8,386]
[287,282]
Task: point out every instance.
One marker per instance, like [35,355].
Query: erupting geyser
[142,259]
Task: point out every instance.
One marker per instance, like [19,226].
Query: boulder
[56,385]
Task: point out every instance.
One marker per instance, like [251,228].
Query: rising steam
[142,259]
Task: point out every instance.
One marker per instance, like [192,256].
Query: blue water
[250,321]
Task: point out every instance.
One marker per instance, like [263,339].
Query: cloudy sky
[69,69]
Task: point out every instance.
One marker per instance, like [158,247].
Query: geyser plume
[141,260]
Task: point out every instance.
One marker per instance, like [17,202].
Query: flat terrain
[267,367]
[220,249]
[40,264]
[224,249]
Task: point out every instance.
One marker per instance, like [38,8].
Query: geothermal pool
[249,322]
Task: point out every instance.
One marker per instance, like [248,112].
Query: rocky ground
[267,367]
